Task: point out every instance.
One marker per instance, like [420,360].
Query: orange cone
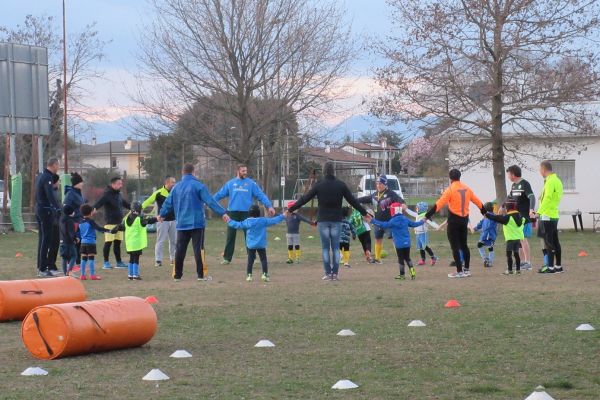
[151,300]
[18,255]
[582,253]
[452,304]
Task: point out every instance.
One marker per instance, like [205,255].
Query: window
[565,169]
[113,162]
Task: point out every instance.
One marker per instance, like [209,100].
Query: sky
[120,21]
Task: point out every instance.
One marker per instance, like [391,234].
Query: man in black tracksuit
[114,204]
[47,209]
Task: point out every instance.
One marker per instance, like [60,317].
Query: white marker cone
[277,238]
[346,332]
[585,327]
[180,354]
[539,394]
[417,322]
[155,375]
[344,384]
[264,343]
[34,371]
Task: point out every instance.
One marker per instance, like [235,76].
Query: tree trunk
[497,139]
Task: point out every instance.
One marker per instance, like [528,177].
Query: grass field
[510,335]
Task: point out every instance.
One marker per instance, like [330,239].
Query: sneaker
[347,265]
[456,275]
[130,277]
[95,278]
[466,273]
[486,263]
[558,270]
[400,277]
[544,270]
[137,278]
[264,277]
[45,274]
[249,278]
[83,278]
[526,266]
[297,261]
[433,261]
[289,261]
[76,268]
[158,263]
[121,265]
[412,272]
[508,272]
[176,279]
[205,279]
[421,262]
[55,273]
[334,277]
[375,261]
[325,277]
[225,262]
[518,272]
[106,265]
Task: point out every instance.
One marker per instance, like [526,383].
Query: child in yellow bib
[512,226]
[136,238]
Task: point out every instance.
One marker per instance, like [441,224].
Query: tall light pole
[64,87]
[280,163]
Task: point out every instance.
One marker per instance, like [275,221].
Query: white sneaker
[326,277]
[205,279]
[347,265]
[457,275]
[466,273]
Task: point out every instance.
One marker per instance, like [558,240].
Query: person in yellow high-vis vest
[513,228]
[136,238]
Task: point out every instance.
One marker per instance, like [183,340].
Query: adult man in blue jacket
[47,208]
[241,192]
[187,200]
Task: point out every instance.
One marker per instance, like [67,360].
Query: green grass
[510,335]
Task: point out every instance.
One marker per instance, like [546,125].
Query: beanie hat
[382,179]
[75,178]
[421,207]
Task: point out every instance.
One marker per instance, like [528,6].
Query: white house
[122,156]
[576,162]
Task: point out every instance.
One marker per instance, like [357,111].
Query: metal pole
[40,144]
[80,158]
[6,176]
[139,185]
[65,135]
[33,170]
[110,167]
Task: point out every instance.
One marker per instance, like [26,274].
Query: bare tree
[493,69]
[231,55]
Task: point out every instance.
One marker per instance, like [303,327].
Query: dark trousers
[231,233]
[365,241]
[509,260]
[45,220]
[458,233]
[183,239]
[116,250]
[54,245]
[262,254]
[403,257]
[551,242]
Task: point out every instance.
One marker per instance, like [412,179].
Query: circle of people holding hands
[181,218]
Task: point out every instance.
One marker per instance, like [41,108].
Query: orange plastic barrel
[62,330]
[17,298]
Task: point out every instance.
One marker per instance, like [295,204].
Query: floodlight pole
[64,86]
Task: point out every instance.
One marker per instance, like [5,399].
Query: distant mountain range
[353,127]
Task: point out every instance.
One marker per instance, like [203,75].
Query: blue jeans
[330,241]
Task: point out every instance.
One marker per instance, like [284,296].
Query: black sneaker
[558,270]
[137,278]
[546,270]
[130,278]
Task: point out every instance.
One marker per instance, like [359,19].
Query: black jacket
[67,229]
[330,193]
[113,203]
[381,203]
[44,193]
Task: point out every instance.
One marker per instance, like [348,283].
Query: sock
[491,255]
[298,253]
[347,256]
[130,269]
[545,252]
[290,254]
[83,265]
[92,267]
[378,251]
[482,253]
[136,269]
[422,254]
[429,251]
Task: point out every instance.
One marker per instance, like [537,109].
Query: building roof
[338,155]
[116,146]
[368,146]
